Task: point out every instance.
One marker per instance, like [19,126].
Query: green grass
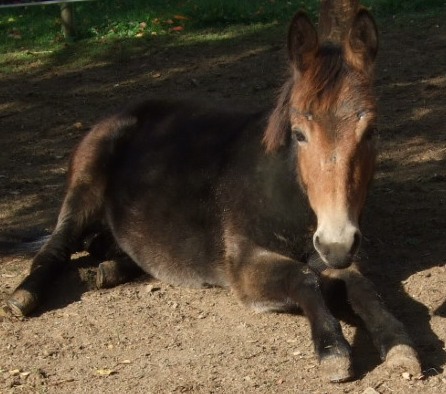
[30,32]
[40,27]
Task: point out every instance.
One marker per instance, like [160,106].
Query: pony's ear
[302,42]
[361,45]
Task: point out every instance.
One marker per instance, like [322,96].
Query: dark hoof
[22,302]
[108,275]
[337,369]
[113,273]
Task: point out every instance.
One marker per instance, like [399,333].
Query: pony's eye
[361,114]
[299,136]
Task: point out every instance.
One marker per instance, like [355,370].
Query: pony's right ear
[302,41]
[362,43]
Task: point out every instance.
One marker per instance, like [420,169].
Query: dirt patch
[151,337]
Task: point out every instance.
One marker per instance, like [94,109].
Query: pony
[267,204]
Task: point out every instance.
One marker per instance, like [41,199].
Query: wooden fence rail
[66,11]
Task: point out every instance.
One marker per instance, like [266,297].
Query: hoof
[337,369]
[22,302]
[108,275]
[113,273]
[403,358]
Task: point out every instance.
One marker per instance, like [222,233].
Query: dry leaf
[180,18]
[105,372]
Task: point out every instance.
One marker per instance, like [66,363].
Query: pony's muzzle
[337,252]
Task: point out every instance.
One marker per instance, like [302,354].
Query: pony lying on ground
[197,197]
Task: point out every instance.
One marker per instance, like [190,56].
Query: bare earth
[148,337]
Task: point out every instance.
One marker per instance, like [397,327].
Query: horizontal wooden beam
[10,4]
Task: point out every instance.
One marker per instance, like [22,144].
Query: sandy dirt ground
[149,337]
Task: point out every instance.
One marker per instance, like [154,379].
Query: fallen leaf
[180,17]
[105,372]
[14,33]
[3,312]
[177,28]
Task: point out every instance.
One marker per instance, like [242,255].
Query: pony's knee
[275,286]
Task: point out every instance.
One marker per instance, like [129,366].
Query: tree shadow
[441,310]
[405,214]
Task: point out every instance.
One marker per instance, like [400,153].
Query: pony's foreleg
[268,281]
[388,333]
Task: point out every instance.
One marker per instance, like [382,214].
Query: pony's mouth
[318,263]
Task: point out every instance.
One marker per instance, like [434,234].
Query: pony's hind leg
[81,209]
[266,280]
[388,333]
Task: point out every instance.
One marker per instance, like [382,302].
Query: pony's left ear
[361,45]
[302,42]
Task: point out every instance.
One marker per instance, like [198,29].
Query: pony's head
[326,113]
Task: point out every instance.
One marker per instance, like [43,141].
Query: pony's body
[184,181]
[198,197]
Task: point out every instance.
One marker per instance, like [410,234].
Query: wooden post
[67,16]
[335,18]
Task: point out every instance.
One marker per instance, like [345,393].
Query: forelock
[320,84]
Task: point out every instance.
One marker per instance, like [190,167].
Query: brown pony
[199,197]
